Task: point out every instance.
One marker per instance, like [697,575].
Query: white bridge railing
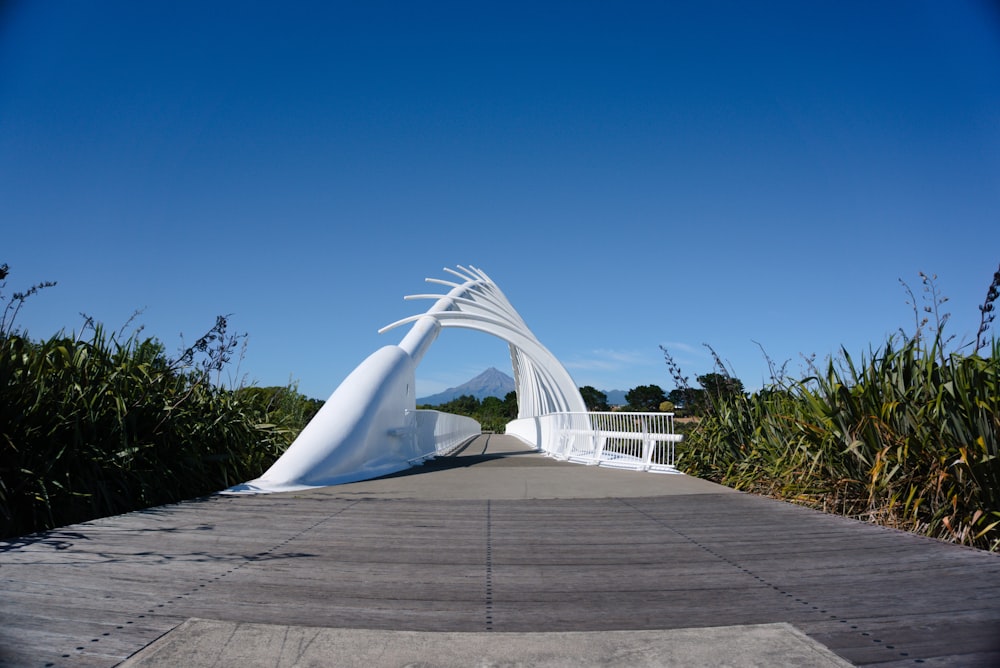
[438,433]
[640,441]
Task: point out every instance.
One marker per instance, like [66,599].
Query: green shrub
[906,438]
[101,423]
[97,426]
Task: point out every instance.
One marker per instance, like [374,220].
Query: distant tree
[678,396]
[721,386]
[467,403]
[463,405]
[491,405]
[490,414]
[510,405]
[667,407]
[594,399]
[494,413]
[646,398]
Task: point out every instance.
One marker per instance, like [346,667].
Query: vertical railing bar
[637,440]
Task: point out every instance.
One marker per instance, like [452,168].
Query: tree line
[494,413]
[682,401]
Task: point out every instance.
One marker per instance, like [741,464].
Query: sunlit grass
[95,426]
[906,437]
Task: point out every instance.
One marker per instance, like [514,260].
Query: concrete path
[495,557]
[201,643]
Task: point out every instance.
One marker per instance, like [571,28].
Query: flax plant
[899,439]
[906,436]
[105,423]
[96,427]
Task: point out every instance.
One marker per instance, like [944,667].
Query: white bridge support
[370,426]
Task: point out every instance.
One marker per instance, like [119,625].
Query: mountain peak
[492,373]
[490,383]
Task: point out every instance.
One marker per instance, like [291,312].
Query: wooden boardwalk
[387,555]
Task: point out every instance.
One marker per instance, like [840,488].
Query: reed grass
[98,426]
[905,436]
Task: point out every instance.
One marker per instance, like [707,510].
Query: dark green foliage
[283,407]
[492,413]
[645,398]
[721,386]
[93,425]
[688,401]
[594,399]
[905,437]
[901,439]
[463,405]
[96,427]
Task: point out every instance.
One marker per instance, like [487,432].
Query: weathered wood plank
[688,560]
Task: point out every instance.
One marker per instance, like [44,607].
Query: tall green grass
[906,437]
[95,426]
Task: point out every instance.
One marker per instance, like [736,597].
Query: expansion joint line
[230,567]
[489,565]
[301,533]
[868,635]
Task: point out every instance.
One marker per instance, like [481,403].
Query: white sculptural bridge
[370,426]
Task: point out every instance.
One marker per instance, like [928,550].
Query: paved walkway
[495,557]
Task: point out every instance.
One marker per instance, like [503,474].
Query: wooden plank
[572,564]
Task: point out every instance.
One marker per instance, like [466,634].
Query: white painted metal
[370,426]
[542,383]
[446,431]
[640,441]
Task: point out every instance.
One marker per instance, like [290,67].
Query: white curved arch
[370,426]
[543,384]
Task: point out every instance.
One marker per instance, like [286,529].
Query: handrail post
[647,442]
[618,439]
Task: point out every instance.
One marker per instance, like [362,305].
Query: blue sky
[631,174]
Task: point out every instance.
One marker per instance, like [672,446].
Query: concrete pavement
[200,642]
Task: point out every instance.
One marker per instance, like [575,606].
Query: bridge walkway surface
[495,556]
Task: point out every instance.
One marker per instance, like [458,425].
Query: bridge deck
[498,540]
